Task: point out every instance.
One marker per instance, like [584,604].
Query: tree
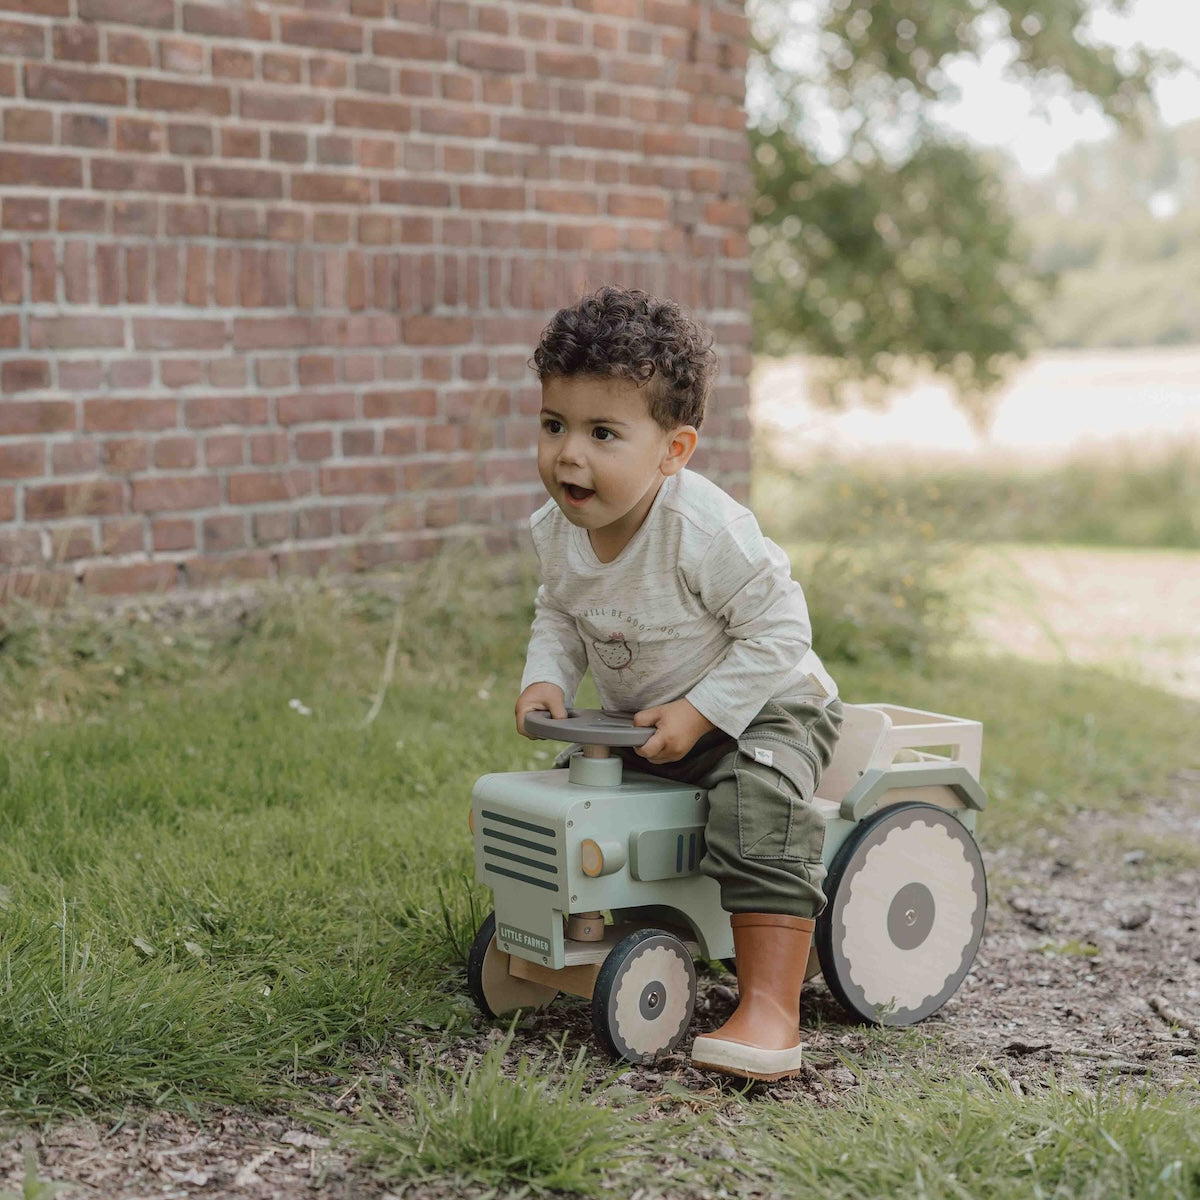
[881,243]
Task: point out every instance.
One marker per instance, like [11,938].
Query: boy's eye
[550,425]
[603,435]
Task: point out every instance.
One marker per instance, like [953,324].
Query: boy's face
[602,457]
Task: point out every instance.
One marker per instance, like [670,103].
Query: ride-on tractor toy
[598,892]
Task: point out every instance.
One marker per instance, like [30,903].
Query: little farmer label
[519,937]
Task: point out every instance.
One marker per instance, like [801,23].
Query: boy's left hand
[680,726]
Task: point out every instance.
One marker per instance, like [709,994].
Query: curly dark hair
[618,333]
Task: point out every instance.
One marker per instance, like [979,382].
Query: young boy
[688,616]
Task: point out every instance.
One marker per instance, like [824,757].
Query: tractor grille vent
[520,850]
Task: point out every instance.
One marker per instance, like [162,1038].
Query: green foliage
[536,1126]
[949,1141]
[1120,498]
[880,578]
[1119,224]
[879,242]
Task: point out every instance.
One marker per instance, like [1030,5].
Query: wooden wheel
[644,996]
[907,901]
[493,989]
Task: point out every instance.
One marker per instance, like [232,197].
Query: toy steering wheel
[589,727]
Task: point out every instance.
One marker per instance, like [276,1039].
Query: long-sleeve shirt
[699,604]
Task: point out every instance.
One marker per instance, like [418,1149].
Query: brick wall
[270,274]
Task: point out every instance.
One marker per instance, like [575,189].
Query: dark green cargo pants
[764,835]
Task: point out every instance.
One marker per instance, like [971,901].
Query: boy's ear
[679,449]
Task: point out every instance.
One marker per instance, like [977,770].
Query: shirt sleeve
[556,652]
[746,581]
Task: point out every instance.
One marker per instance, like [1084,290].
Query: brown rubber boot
[762,1038]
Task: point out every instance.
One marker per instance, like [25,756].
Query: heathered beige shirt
[698,604]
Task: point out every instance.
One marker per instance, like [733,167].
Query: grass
[1120,497]
[975,1139]
[540,1127]
[210,893]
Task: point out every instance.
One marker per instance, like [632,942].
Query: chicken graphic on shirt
[616,652]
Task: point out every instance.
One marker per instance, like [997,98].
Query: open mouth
[577,494]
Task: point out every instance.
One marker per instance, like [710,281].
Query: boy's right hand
[540,697]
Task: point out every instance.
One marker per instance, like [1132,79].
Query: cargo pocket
[775,819]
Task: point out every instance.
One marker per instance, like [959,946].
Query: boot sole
[748,1062]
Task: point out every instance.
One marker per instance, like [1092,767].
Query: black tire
[924,912]
[644,997]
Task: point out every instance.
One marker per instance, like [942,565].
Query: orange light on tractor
[591,857]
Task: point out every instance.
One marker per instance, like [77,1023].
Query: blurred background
[976,258]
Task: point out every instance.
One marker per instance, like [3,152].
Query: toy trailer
[561,848]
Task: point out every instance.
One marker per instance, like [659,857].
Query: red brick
[107,415]
[76,215]
[179,56]
[94,497]
[40,170]
[211,572]
[183,97]
[77,43]
[23,375]
[373,114]
[128,49]
[156,14]
[223,533]
[87,86]
[175,492]
[272,333]
[491,55]
[135,175]
[232,64]
[31,125]
[263,104]
[409,45]
[312,445]
[331,189]
[67,333]
[261,487]
[308,407]
[377,479]
[38,8]
[223,450]
[122,535]
[282,68]
[567,65]
[240,143]
[219,20]
[27,213]
[239,183]
[102,579]
[22,460]
[8,503]
[176,453]
[323,33]
[69,543]
[463,123]
[203,412]
[437,331]
[18,548]
[191,140]
[271,527]
[173,534]
[268,449]
[75,458]
[12,273]
[417,402]
[167,333]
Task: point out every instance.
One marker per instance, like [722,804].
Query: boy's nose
[570,450]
